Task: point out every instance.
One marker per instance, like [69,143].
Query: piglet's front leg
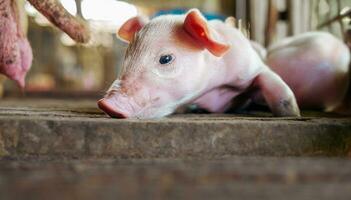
[277,94]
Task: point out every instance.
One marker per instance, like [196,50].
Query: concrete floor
[231,178]
[62,149]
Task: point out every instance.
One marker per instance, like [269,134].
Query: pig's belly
[316,82]
[217,100]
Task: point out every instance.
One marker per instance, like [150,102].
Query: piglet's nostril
[111,110]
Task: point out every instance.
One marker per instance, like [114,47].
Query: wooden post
[228,7]
[289,8]
[248,18]
[330,15]
[253,15]
[304,23]
[311,15]
[343,31]
[272,18]
[79,8]
[240,9]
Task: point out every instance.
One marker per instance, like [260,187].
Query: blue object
[181,11]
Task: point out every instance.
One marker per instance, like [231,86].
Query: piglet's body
[315,65]
[175,60]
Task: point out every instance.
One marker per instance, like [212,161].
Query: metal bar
[334,19]
[340,21]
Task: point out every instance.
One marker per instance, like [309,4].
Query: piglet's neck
[216,71]
[237,69]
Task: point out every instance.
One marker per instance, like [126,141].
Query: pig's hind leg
[277,94]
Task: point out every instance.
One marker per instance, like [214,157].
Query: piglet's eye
[166,59]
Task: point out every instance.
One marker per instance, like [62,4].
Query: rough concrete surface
[77,129]
[232,178]
[60,149]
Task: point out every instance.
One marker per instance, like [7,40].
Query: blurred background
[62,68]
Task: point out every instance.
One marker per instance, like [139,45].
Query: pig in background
[15,51]
[315,65]
[177,60]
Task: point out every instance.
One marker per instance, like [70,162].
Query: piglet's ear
[196,25]
[130,27]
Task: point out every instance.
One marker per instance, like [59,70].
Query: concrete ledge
[234,178]
[79,130]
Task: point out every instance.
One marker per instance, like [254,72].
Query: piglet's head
[167,64]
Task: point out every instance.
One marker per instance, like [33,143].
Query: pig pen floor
[68,149]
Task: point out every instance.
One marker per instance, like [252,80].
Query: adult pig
[175,60]
[315,65]
[15,51]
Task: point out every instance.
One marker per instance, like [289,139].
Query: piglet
[315,65]
[176,60]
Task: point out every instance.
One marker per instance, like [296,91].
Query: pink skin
[210,59]
[15,51]
[261,51]
[316,67]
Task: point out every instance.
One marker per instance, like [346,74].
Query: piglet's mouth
[109,107]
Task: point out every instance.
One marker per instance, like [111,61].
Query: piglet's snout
[116,106]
